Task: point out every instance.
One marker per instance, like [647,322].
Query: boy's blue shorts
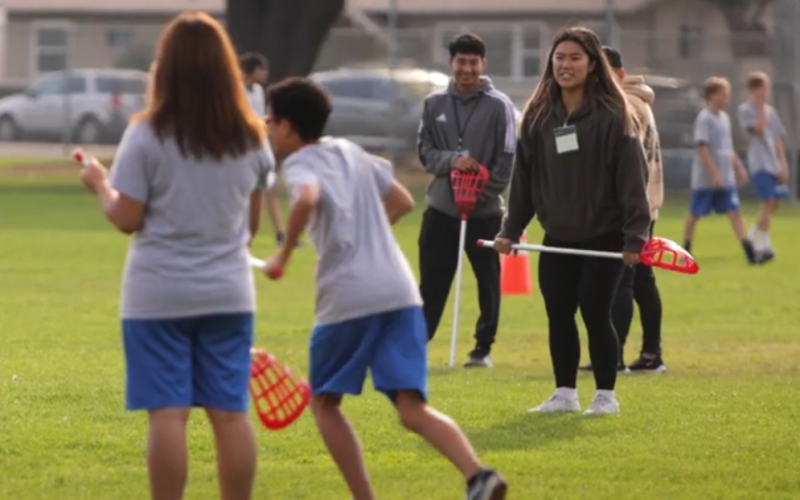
[199,361]
[393,345]
[720,201]
[767,187]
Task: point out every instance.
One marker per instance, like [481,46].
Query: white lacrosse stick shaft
[525,247]
[257,263]
[462,238]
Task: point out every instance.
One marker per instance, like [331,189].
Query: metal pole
[794,143]
[392,61]
[611,24]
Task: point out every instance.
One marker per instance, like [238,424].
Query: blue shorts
[393,345]
[177,363]
[719,200]
[767,187]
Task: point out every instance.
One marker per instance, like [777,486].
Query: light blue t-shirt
[761,153]
[190,258]
[361,269]
[713,130]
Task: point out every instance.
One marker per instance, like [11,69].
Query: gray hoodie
[487,120]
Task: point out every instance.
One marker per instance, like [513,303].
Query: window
[50,47]
[119,37]
[107,85]
[512,50]
[51,85]
[690,42]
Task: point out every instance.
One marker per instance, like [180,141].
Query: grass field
[721,424]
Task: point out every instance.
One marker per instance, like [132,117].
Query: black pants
[438,259]
[639,284]
[569,283]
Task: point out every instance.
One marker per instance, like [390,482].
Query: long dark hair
[601,87]
[196,95]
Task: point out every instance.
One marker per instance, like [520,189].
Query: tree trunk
[290,33]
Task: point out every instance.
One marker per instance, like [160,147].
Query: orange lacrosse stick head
[666,254]
[279,395]
[468,188]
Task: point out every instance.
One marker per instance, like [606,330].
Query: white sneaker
[603,405]
[558,404]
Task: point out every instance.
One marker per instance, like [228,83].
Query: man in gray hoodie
[466,125]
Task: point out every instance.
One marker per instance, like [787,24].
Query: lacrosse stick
[657,252]
[467,188]
[279,395]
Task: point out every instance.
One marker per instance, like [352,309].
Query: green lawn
[721,424]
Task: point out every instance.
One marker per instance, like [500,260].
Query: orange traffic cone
[515,273]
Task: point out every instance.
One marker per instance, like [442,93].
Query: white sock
[761,242]
[606,393]
[567,392]
[753,234]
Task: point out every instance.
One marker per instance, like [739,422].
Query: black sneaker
[620,368]
[645,365]
[480,357]
[487,485]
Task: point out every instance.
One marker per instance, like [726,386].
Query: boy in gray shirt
[766,158]
[368,308]
[716,171]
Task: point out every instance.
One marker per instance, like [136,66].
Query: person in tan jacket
[639,283]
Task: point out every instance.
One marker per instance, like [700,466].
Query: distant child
[717,170]
[766,158]
[368,308]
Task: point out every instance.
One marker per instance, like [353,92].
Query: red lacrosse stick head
[279,395]
[467,188]
[666,254]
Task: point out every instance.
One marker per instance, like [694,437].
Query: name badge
[566,139]
[463,153]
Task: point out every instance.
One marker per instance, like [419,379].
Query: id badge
[566,139]
[464,153]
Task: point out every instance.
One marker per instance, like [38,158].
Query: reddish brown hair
[197,95]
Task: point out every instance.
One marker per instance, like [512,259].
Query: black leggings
[639,284]
[570,282]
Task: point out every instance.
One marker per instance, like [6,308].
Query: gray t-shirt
[361,269]
[190,258]
[761,153]
[713,130]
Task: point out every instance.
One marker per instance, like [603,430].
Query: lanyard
[462,129]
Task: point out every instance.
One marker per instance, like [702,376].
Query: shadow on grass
[531,430]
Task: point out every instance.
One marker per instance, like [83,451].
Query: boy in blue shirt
[766,157]
[368,307]
[717,170]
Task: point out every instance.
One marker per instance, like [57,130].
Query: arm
[500,169]
[631,181]
[304,200]
[255,213]
[705,159]
[123,198]
[123,212]
[435,161]
[397,201]
[738,165]
[520,200]
[780,146]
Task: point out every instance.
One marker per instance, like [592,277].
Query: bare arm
[256,201]
[397,202]
[123,212]
[305,199]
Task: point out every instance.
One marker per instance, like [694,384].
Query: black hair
[613,56]
[468,44]
[251,61]
[303,104]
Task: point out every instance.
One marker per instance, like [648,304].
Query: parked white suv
[85,106]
